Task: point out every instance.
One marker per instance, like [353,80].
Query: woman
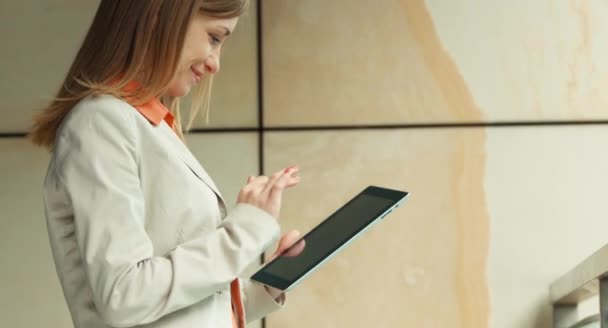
[139,232]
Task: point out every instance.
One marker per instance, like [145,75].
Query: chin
[179,91]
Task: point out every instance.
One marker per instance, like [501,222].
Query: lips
[197,74]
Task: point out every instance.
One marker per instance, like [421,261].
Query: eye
[214,40]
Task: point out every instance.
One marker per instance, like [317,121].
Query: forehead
[210,22]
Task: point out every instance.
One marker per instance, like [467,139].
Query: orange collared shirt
[156,112]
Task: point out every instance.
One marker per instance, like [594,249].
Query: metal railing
[586,322]
[586,280]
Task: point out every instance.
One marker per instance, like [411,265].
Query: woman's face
[201,54]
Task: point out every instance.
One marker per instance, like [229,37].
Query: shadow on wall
[543,318]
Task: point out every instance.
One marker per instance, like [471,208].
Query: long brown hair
[131,40]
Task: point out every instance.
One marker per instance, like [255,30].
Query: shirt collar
[154,110]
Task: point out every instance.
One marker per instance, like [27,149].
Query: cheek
[185,60]
[195,51]
[180,85]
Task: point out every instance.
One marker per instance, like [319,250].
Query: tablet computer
[330,236]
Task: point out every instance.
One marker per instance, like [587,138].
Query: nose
[212,63]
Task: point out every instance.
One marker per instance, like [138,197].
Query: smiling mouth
[197,75]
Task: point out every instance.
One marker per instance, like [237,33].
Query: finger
[273,179]
[285,242]
[278,175]
[275,194]
[288,240]
[253,186]
[246,189]
[289,175]
[254,183]
[296,249]
[257,180]
[274,256]
[292,182]
[293,170]
[258,184]
[285,181]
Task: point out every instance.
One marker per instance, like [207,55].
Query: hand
[285,249]
[266,193]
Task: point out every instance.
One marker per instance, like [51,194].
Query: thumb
[286,241]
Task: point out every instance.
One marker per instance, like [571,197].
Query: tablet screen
[330,235]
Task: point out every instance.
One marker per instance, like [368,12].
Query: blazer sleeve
[98,167]
[258,302]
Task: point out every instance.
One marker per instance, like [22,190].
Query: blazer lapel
[195,166]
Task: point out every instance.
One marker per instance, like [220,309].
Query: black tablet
[330,236]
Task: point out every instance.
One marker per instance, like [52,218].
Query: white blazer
[138,230]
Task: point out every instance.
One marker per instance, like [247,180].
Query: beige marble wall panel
[355,62]
[546,193]
[408,61]
[425,265]
[40,40]
[529,60]
[31,295]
